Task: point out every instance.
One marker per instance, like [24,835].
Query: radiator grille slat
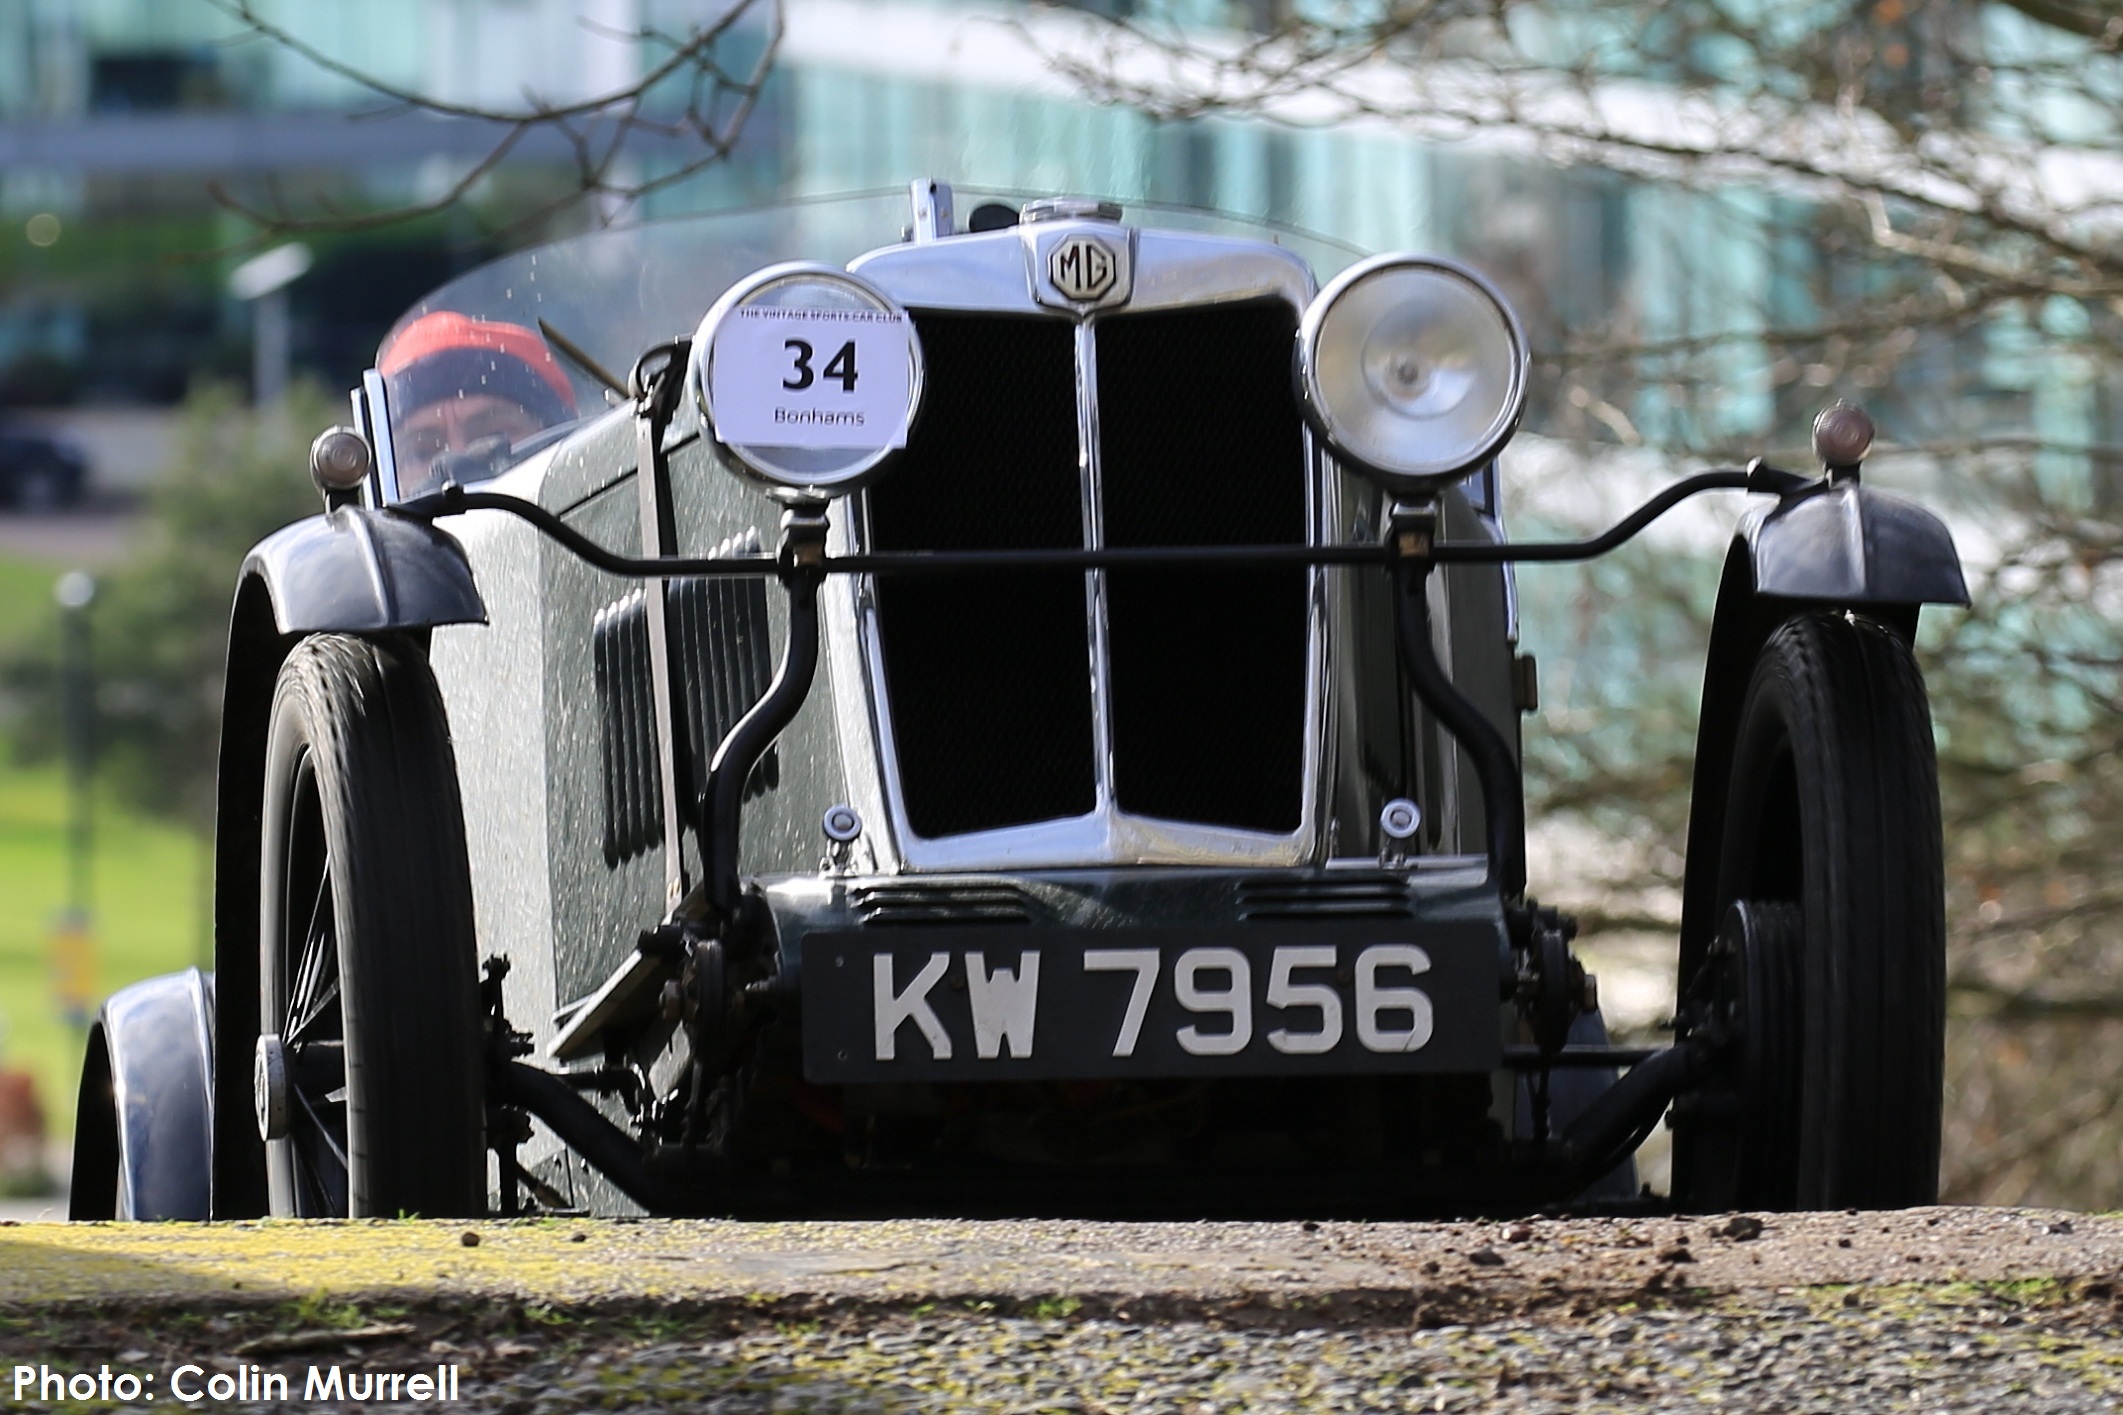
[988,677]
[1201,445]
[722,661]
[624,830]
[1356,895]
[916,902]
[633,796]
[724,664]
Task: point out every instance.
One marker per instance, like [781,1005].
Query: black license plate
[1004,1003]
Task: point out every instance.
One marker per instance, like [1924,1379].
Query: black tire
[94,1191]
[1832,841]
[366,940]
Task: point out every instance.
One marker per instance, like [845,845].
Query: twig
[596,131]
[319,1338]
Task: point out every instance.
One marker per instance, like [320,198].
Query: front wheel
[1828,982]
[369,1082]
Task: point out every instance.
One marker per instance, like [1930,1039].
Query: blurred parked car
[38,470]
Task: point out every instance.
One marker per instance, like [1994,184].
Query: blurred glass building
[116,116]
[119,119]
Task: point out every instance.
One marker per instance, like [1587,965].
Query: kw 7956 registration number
[1256,999]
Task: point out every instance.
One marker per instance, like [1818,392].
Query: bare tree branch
[1832,137]
[2082,19]
[601,135]
[2002,1003]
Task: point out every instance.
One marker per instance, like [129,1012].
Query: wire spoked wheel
[1736,1138]
[368,1083]
[306,1167]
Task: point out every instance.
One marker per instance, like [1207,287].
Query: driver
[457,383]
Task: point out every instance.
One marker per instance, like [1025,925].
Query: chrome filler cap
[1068,209]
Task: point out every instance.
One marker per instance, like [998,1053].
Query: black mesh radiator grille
[989,677]
[1200,443]
[723,663]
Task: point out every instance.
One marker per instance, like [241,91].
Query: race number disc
[810,378]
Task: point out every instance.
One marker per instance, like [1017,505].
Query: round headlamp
[809,379]
[1413,368]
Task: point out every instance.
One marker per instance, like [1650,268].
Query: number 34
[802,375]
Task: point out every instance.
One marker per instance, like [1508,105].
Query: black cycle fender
[1852,544]
[355,570]
[1842,545]
[144,1135]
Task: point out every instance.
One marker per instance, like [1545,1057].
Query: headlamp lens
[1413,368]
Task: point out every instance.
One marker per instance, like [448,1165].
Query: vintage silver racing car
[1018,717]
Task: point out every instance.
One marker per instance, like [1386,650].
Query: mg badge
[1083,268]
[1078,270]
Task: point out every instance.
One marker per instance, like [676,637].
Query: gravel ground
[1933,1310]
[1794,1356]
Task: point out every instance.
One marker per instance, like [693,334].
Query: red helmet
[449,355]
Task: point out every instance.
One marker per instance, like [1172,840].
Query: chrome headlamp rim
[783,482]
[1419,478]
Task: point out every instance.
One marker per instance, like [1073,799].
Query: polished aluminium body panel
[523,709]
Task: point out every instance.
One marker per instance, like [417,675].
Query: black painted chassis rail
[455,500]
